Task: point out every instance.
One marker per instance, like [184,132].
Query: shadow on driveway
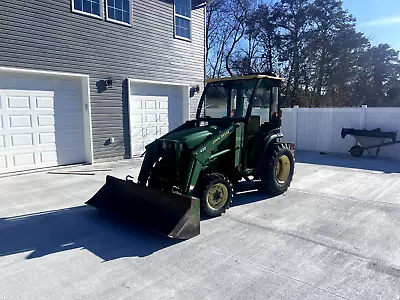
[79,227]
[246,193]
[381,164]
[84,227]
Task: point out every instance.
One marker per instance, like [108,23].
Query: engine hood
[193,137]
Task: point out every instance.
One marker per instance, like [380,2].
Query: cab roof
[252,76]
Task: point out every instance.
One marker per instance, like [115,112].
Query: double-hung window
[88,7]
[183,19]
[119,11]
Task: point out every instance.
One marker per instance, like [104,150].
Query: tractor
[192,170]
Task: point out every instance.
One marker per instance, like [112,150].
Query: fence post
[363,117]
[295,113]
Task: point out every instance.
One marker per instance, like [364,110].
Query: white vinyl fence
[318,129]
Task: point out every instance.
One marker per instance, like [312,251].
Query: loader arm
[208,151]
[150,156]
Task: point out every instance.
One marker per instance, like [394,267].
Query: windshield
[228,99]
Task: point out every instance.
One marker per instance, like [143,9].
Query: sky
[379,20]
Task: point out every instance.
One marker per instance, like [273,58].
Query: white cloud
[384,21]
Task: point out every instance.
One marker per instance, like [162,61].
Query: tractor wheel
[356,151]
[277,170]
[215,194]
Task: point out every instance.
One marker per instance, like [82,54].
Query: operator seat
[253,126]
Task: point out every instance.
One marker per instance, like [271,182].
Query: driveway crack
[321,241]
[279,274]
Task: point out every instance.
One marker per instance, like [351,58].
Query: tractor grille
[170,149]
[172,165]
[165,174]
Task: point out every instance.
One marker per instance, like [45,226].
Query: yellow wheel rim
[217,196]
[283,169]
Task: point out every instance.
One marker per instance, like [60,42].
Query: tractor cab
[253,100]
[241,98]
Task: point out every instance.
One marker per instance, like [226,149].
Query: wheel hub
[283,169]
[217,196]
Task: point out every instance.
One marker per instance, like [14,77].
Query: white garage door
[149,120]
[27,134]
[154,110]
[41,122]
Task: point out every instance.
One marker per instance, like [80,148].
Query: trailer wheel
[215,194]
[356,151]
[277,170]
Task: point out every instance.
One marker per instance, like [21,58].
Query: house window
[119,11]
[87,7]
[183,15]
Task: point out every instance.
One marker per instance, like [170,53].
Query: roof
[253,76]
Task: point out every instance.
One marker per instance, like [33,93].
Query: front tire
[277,170]
[215,194]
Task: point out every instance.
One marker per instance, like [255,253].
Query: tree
[225,27]
[314,44]
[293,24]
[382,71]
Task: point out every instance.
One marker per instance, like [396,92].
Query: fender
[268,140]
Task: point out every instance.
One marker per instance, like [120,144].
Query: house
[85,81]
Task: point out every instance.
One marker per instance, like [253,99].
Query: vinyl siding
[46,35]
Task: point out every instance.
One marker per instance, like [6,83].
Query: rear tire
[277,170]
[215,193]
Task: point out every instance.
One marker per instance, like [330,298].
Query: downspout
[205,42]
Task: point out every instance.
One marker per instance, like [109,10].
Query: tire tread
[205,185]
[268,182]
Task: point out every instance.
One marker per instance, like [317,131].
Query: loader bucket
[173,215]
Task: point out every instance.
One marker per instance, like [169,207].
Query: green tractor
[192,170]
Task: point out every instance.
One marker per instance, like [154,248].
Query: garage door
[41,122]
[27,134]
[154,110]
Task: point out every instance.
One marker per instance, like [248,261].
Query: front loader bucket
[173,215]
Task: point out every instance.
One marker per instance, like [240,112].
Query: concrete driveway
[334,235]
